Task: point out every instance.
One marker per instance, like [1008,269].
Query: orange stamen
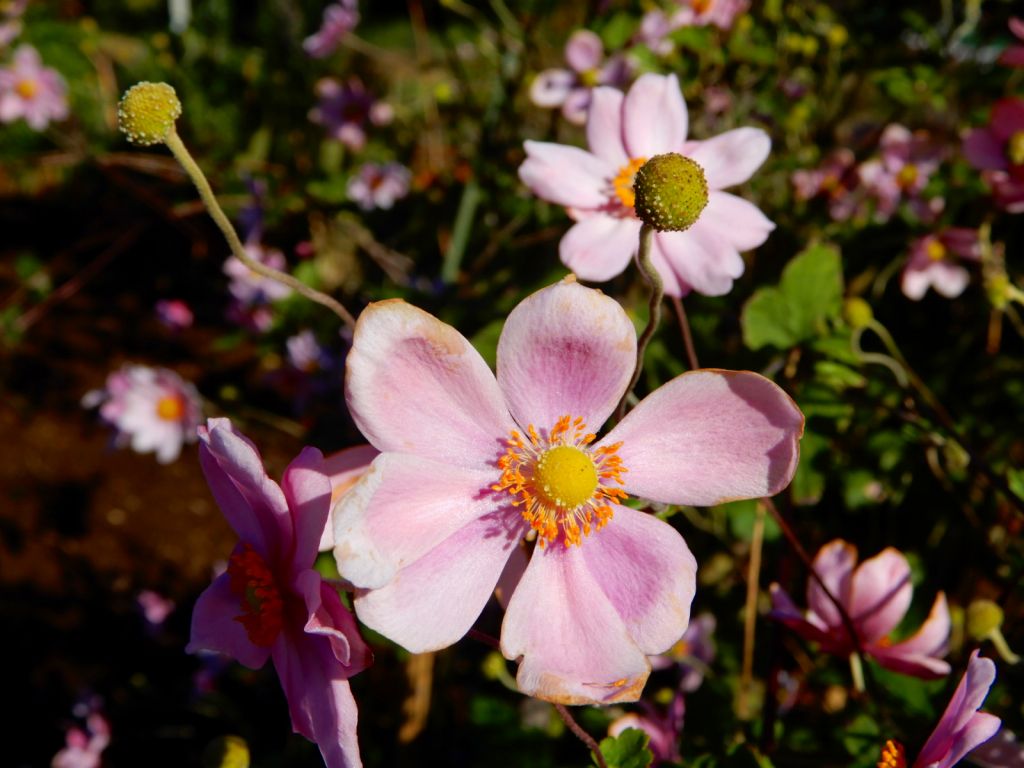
[623,182]
[893,756]
[170,407]
[253,582]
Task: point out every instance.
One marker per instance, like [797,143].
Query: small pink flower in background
[10,20]
[961,728]
[347,109]
[271,603]
[692,654]
[596,187]
[1013,56]
[339,19]
[84,746]
[933,263]
[998,150]
[252,293]
[571,89]
[31,92]
[1001,751]
[663,728]
[378,185]
[155,607]
[153,409]
[907,162]
[174,314]
[876,596]
[305,352]
[654,31]
[837,180]
[471,464]
[345,469]
[701,13]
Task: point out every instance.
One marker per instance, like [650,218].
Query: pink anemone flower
[998,150]
[596,187]
[32,91]
[270,602]
[471,464]
[933,263]
[960,729]
[339,19]
[700,13]
[907,162]
[345,468]
[876,596]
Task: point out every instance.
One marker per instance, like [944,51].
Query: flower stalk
[643,260]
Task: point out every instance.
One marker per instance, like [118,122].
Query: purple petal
[214,627]
[984,151]
[880,594]
[307,488]
[551,87]
[834,564]
[584,50]
[329,618]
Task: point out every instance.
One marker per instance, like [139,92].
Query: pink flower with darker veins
[379,185]
[571,89]
[471,464]
[934,263]
[32,92]
[346,109]
[998,150]
[596,187]
[876,596]
[271,602]
[906,163]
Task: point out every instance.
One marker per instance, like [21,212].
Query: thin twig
[582,735]
[750,615]
[484,638]
[684,326]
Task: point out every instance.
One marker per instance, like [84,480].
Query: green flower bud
[670,191]
[857,312]
[147,113]
[226,752]
[983,616]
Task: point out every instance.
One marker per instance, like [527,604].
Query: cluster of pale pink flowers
[31,91]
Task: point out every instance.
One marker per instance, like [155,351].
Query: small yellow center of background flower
[907,175]
[936,250]
[892,756]
[170,407]
[1015,148]
[253,583]
[623,181]
[560,484]
[27,89]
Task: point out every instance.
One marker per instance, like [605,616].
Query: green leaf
[627,750]
[809,482]
[765,320]
[743,514]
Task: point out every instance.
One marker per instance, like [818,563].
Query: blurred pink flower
[960,729]
[596,187]
[654,31]
[250,287]
[470,464]
[339,19]
[174,314]
[693,653]
[1013,56]
[271,602]
[153,409]
[700,13]
[571,89]
[876,596]
[379,185]
[998,150]
[31,91]
[933,263]
[346,109]
[663,729]
[155,607]
[837,180]
[907,162]
[84,747]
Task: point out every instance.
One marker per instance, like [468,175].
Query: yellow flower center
[1015,148]
[623,182]
[560,484]
[27,88]
[892,756]
[170,407]
[907,175]
[590,78]
[935,249]
[701,6]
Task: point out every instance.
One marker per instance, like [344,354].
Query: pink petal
[701,258]
[345,469]
[708,437]
[731,157]
[834,564]
[950,280]
[880,594]
[655,119]
[565,350]
[915,281]
[739,222]
[599,247]
[433,601]
[454,412]
[919,654]
[1007,118]
[584,50]
[576,106]
[329,618]
[252,503]
[403,508]
[214,627]
[604,126]
[984,151]
[307,488]
[319,698]
[646,571]
[566,175]
[784,610]
[551,87]
[574,648]
[979,729]
[511,575]
[963,241]
[1012,56]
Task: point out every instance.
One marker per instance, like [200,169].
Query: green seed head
[671,192]
[983,616]
[857,312]
[147,113]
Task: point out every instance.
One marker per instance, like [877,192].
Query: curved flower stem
[857,673]
[643,260]
[182,155]
[876,357]
[582,735]
[684,326]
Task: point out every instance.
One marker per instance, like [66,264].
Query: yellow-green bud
[983,616]
[857,312]
[147,113]
[670,192]
[226,752]
[1015,148]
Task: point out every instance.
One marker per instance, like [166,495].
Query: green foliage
[627,750]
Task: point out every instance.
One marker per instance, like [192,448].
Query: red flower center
[253,582]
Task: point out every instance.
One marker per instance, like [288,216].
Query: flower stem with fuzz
[643,260]
[582,735]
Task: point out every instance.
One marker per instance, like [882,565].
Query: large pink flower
[876,596]
[471,464]
[271,603]
[596,187]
